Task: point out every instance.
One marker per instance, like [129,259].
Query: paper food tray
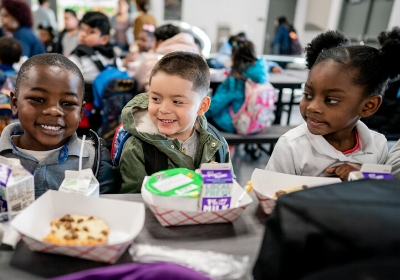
[177,217]
[33,223]
[266,183]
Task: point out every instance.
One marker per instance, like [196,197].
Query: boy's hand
[343,170]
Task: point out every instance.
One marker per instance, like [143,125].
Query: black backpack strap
[154,159]
[222,150]
[82,50]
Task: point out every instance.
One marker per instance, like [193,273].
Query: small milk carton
[216,193]
[17,186]
[372,171]
[80,182]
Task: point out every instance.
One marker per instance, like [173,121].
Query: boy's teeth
[51,127]
[168,121]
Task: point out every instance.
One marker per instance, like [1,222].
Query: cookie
[78,230]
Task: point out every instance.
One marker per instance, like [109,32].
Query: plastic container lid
[177,182]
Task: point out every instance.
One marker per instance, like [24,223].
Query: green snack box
[177,182]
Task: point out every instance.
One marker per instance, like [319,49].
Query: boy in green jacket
[171,118]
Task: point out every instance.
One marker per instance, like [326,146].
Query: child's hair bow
[149,28]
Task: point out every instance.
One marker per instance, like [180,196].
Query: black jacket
[104,169]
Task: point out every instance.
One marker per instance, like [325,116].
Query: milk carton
[372,171]
[17,187]
[80,182]
[216,193]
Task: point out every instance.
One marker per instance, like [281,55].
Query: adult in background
[44,16]
[68,38]
[142,6]
[121,23]
[281,42]
[16,18]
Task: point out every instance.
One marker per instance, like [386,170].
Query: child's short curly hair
[20,10]
[187,65]
[10,50]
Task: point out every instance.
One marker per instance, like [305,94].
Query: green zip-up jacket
[136,120]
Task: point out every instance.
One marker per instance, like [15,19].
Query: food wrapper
[266,183]
[80,182]
[173,212]
[34,224]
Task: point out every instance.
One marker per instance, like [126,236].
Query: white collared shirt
[298,152]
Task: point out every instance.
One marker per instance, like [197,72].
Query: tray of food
[269,185]
[80,226]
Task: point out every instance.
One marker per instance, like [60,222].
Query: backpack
[257,111]
[331,226]
[112,89]
[154,159]
[106,96]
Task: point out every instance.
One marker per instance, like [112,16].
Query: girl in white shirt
[345,83]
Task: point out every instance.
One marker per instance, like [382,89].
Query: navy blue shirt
[31,45]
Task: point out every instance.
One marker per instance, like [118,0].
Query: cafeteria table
[242,237]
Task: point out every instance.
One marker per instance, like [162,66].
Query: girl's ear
[370,105]
[204,105]
[14,103]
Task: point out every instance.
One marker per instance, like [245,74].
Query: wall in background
[248,16]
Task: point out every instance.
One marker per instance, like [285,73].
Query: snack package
[372,171]
[216,193]
[17,187]
[80,182]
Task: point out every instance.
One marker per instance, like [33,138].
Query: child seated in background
[170,118]
[92,54]
[48,37]
[231,93]
[10,53]
[345,83]
[139,48]
[48,100]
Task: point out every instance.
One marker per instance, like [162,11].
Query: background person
[168,38]
[231,93]
[122,25]
[68,38]
[44,16]
[142,6]
[16,18]
[48,37]
[281,41]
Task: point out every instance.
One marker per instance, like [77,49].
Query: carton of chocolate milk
[17,186]
[216,193]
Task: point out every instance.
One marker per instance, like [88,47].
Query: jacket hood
[258,72]
[180,42]
[136,120]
